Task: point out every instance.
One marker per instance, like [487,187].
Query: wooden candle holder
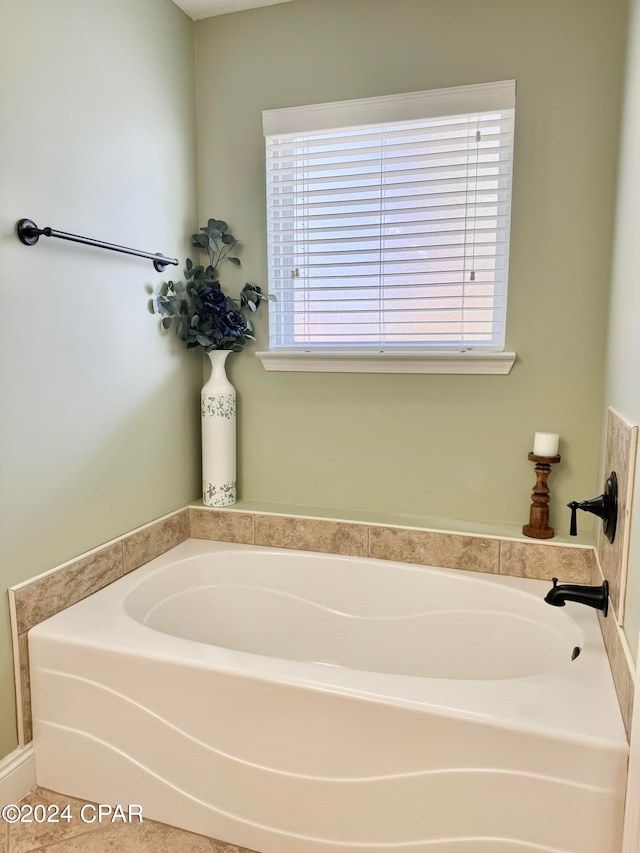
[538,527]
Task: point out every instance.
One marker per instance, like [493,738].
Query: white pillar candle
[546,444]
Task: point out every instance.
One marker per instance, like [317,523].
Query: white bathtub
[301,703]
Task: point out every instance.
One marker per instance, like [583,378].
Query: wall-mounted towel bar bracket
[29,234]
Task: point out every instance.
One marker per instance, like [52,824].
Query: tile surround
[36,600]
[448,551]
[612,558]
[59,589]
[152,540]
[571,563]
[533,560]
[621,666]
[620,456]
[221,526]
[311,534]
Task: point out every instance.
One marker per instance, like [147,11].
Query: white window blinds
[388,221]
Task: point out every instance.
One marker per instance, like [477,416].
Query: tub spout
[593,596]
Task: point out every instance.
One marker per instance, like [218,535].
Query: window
[388,223]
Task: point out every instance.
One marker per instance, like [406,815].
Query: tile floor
[75,836]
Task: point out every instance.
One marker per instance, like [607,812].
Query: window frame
[369,111]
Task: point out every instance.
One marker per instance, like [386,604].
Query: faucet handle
[573,529]
[605,506]
[554,581]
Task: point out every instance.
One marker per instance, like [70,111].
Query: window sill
[389,362]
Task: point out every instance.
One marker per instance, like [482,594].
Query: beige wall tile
[535,560]
[56,591]
[221,526]
[25,687]
[620,454]
[622,676]
[155,539]
[307,534]
[4,837]
[452,551]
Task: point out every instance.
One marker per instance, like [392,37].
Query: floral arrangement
[202,312]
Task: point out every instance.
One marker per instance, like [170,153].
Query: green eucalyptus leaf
[228,239]
[235,261]
[203,340]
[194,321]
[222,226]
[166,322]
[200,240]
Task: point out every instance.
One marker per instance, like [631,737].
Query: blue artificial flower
[212,300]
[231,324]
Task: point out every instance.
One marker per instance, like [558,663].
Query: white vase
[218,407]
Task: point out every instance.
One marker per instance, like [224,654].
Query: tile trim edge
[17,674]
[633,455]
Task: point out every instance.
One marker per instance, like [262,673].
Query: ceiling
[197,9]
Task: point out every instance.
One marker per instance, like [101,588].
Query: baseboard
[17,775]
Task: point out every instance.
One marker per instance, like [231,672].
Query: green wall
[437,447]
[99,412]
[623,355]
